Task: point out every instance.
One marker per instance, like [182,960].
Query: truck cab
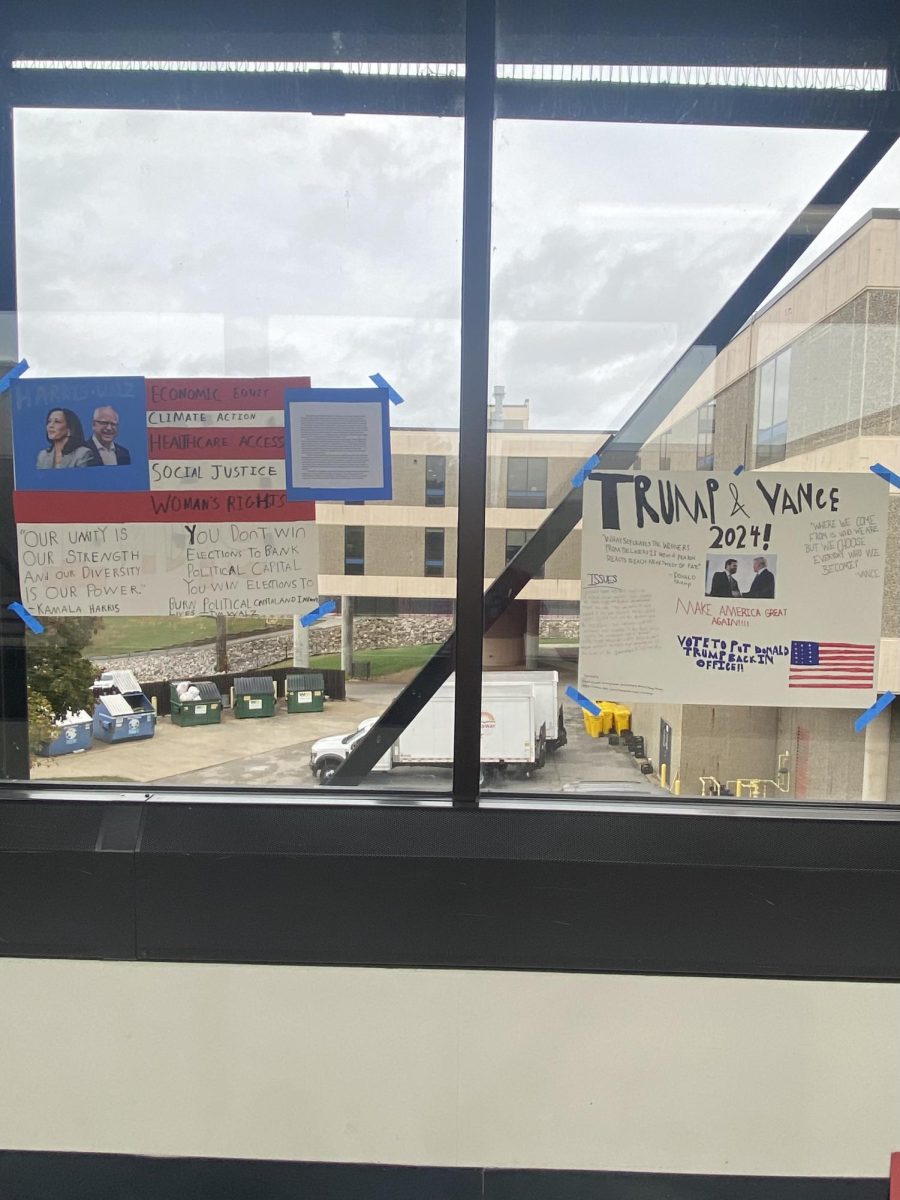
[328,753]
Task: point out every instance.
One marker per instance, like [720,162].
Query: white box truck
[509,735]
[547,709]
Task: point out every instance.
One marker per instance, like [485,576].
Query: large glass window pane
[614,246]
[212,245]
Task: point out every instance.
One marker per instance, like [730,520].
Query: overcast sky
[213,243]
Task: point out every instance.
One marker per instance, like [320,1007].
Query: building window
[434,552]
[515,540]
[526,483]
[773,389]
[665,459]
[354,550]
[706,427]
[435,481]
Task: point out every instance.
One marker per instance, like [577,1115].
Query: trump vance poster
[703,588]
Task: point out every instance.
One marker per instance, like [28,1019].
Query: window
[706,428]
[623,220]
[515,540]
[773,392]
[435,481]
[434,552]
[354,550]
[665,461]
[526,483]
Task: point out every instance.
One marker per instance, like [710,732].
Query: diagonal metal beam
[623,446]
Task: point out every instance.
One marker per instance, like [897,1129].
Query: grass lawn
[384,662]
[130,635]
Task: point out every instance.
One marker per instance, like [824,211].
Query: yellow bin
[621,719]
[611,718]
[601,724]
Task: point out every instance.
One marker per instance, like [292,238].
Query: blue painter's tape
[380,381]
[582,701]
[738,468]
[19,369]
[883,471]
[879,706]
[318,613]
[31,621]
[582,473]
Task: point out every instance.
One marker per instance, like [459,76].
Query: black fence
[158,689]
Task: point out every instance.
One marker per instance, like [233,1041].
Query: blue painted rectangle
[886,473]
[294,397]
[582,701]
[871,713]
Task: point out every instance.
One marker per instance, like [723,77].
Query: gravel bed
[245,655]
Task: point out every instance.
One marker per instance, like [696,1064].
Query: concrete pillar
[346,634]
[301,643]
[504,646]
[875,763]
[532,634]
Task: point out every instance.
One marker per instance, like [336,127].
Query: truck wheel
[541,754]
[485,775]
[327,770]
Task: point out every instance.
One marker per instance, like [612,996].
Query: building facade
[399,556]
[812,383]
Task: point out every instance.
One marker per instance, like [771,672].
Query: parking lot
[274,752]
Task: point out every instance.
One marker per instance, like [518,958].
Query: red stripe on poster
[249,441]
[112,508]
[200,394]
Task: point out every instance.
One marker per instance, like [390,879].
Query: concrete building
[812,383]
[399,556]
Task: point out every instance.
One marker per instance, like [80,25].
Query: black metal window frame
[750,888]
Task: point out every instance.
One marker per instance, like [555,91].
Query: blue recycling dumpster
[122,713]
[71,735]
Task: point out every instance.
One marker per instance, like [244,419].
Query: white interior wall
[454,1067]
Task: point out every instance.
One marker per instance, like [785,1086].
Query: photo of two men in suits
[745,576]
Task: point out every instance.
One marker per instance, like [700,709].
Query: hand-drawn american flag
[831,665]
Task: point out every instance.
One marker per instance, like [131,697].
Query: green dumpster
[203,710]
[254,696]
[305,693]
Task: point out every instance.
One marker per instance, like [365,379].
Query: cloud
[178,243]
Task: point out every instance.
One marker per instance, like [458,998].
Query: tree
[58,673]
[41,726]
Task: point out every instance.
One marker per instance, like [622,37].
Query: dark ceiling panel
[688,32]
[377,30]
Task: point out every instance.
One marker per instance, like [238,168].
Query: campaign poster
[706,588]
[158,497]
